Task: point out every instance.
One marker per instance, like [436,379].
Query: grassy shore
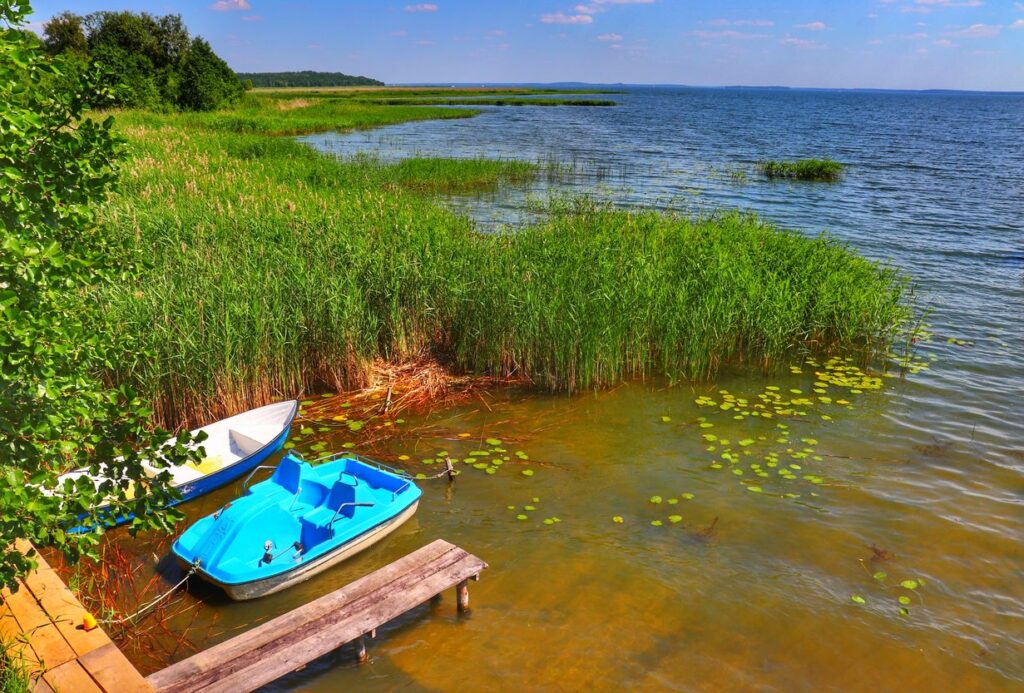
[275,269]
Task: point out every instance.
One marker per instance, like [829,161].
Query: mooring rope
[151,603]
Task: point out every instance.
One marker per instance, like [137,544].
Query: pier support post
[449,469]
[462,595]
[361,655]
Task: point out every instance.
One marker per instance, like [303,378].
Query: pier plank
[294,639]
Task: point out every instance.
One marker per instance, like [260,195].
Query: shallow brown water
[762,600]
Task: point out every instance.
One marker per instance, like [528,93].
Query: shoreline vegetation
[825,170]
[275,270]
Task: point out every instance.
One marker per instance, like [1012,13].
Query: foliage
[56,410]
[803,169]
[278,269]
[151,62]
[206,81]
[307,78]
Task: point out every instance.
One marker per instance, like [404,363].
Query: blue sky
[903,44]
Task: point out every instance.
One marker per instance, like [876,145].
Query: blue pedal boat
[299,522]
[233,447]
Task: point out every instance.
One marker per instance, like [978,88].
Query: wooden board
[43,619]
[294,639]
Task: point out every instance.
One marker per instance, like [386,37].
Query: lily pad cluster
[771,457]
[526,512]
[906,591]
[488,459]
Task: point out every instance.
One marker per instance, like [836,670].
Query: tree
[64,32]
[57,410]
[206,81]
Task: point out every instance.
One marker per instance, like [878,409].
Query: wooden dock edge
[41,623]
[290,641]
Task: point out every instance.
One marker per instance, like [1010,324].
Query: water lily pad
[755,489]
[686,496]
[656,499]
[529,507]
[403,457]
[491,470]
[548,521]
[348,446]
[421,475]
[880,575]
[493,442]
[706,424]
[904,611]
[666,419]
[618,519]
[289,445]
[909,584]
[746,441]
[904,599]
[656,523]
[857,599]
[675,519]
[527,472]
[672,501]
[522,517]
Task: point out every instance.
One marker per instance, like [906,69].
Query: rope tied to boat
[153,602]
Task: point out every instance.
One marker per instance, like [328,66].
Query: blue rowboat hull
[278,421]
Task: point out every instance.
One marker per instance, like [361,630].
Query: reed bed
[275,270]
[803,169]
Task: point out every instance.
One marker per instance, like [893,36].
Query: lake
[818,528]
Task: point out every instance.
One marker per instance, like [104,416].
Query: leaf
[656,523]
[527,472]
[617,519]
[666,419]
[493,442]
[675,519]
[904,599]
[880,575]
[857,599]
[909,584]
[656,499]
[904,611]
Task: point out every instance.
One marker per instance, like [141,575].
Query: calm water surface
[745,589]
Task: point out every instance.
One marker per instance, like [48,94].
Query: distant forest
[307,78]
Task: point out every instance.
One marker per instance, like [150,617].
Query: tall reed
[275,269]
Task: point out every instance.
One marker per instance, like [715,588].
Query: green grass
[14,673]
[803,169]
[275,269]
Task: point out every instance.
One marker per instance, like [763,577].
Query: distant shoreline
[731,87]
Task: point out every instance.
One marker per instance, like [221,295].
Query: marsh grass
[276,270]
[803,169]
[15,673]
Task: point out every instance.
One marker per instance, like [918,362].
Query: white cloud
[943,43]
[562,18]
[595,6]
[800,42]
[1019,24]
[741,22]
[421,7]
[978,31]
[728,34]
[919,36]
[230,5]
[927,6]
[812,26]
[609,37]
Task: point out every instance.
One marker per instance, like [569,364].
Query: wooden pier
[42,624]
[292,640]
